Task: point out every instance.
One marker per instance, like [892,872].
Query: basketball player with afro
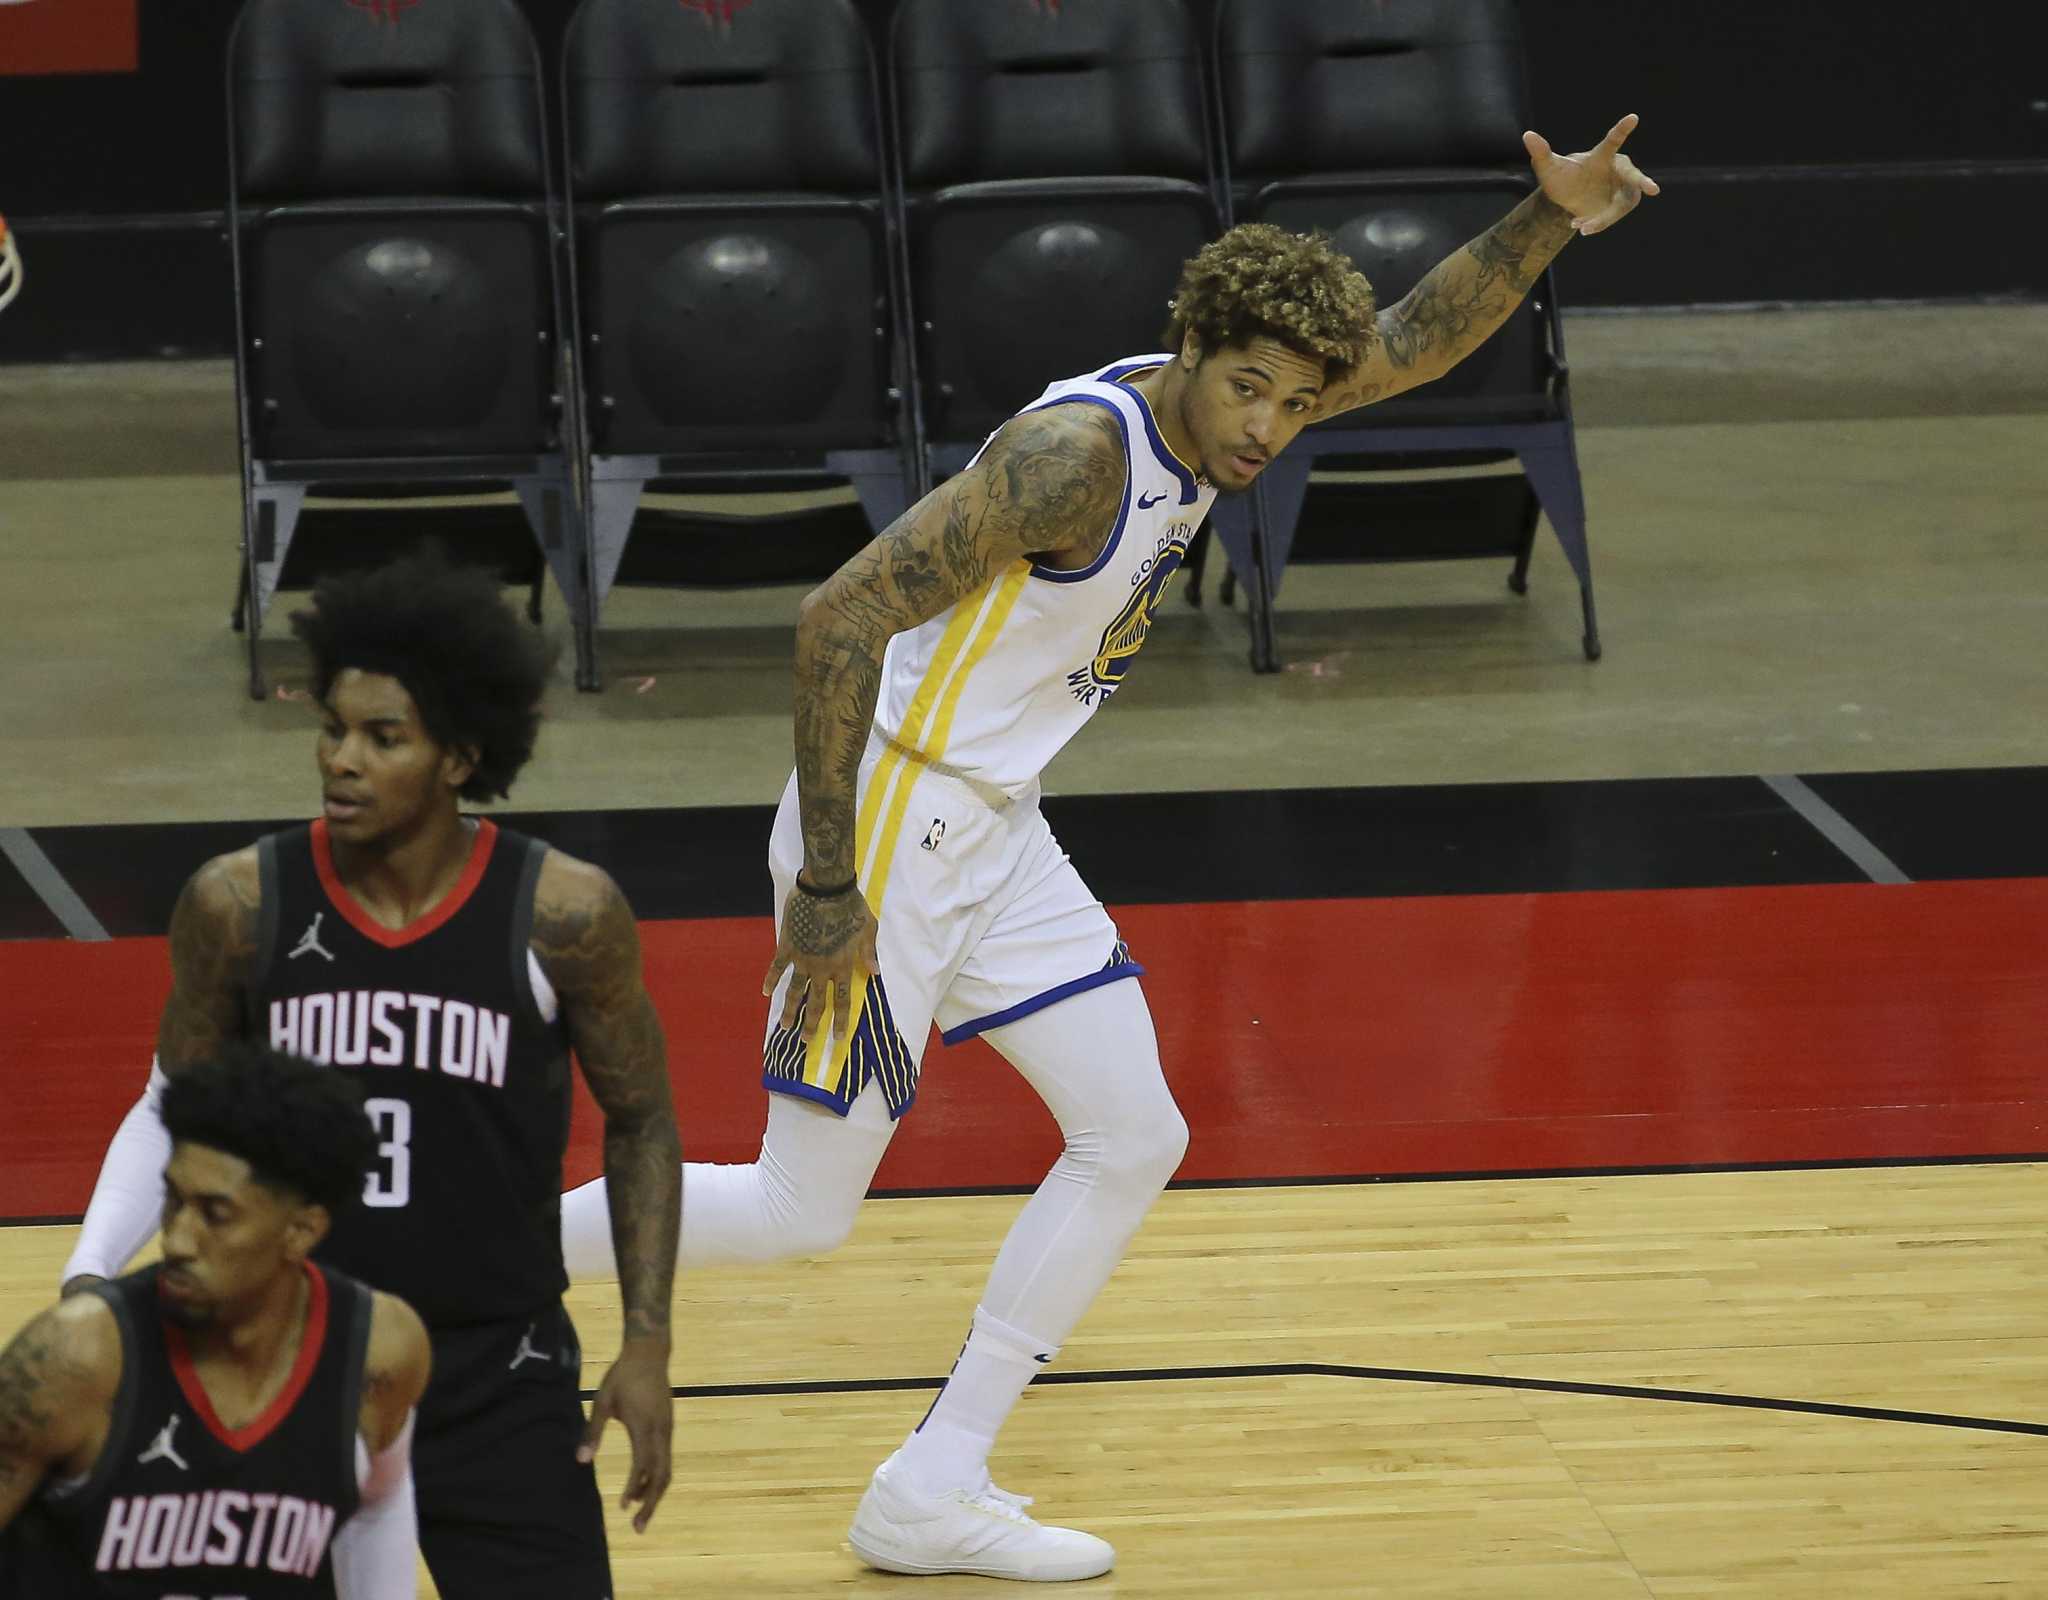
[453,966]
[234,1406]
[937,673]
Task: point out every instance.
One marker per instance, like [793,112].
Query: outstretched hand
[636,1391]
[1599,186]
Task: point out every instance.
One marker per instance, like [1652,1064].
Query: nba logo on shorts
[937,833]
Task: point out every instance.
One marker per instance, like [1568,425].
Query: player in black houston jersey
[234,1421]
[451,967]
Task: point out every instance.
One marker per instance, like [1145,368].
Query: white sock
[949,1449]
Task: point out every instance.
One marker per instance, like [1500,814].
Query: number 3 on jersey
[390,1182]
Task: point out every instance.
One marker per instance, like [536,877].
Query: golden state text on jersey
[1121,640]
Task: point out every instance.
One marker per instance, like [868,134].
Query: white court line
[43,877]
[1836,829]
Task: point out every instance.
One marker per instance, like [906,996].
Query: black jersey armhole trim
[121,1426]
[363,1310]
[269,891]
[534,853]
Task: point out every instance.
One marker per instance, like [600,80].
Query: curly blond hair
[1297,288]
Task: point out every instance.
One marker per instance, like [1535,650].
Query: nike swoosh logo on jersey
[1147,501]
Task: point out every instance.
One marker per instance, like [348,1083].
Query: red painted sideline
[1327,1037]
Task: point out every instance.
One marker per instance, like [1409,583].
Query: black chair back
[1056,167]
[727,185]
[1030,89]
[390,207]
[779,96]
[1370,85]
[334,101]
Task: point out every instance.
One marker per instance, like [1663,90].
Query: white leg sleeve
[128,1200]
[377,1551]
[1094,1060]
[799,1199]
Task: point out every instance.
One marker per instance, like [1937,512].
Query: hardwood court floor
[1915,1291]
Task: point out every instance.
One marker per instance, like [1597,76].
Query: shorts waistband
[987,793]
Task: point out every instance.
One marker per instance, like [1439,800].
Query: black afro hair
[472,666]
[301,1128]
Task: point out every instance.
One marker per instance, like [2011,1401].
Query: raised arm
[1048,486]
[213,939]
[589,945]
[1465,298]
[57,1379]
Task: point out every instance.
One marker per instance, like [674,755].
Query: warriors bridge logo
[716,13]
[383,10]
[1121,640]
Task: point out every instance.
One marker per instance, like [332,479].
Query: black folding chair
[1056,170]
[734,291]
[399,313]
[1395,127]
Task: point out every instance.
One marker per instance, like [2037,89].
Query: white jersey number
[391,1183]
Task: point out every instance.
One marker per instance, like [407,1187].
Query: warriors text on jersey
[179,1504]
[995,686]
[465,1069]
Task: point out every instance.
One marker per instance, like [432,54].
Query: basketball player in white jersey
[936,674]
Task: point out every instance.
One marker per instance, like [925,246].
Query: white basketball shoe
[984,1531]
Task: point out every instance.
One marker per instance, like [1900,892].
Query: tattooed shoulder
[223,899]
[1055,479]
[57,1377]
[213,941]
[583,930]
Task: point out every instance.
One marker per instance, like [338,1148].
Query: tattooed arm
[213,938]
[589,946]
[396,1366]
[1047,487]
[1462,300]
[1457,305]
[57,1383]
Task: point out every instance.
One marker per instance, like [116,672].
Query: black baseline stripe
[1324,1369]
[1208,845]
[1482,1174]
[1343,1180]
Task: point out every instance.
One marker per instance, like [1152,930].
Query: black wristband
[827,894]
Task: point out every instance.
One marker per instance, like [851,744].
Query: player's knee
[815,1233]
[1141,1159]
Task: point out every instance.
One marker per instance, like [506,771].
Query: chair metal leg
[1259,607]
[1553,470]
[1518,579]
[238,616]
[254,607]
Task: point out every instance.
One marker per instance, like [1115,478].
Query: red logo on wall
[716,13]
[384,10]
[45,36]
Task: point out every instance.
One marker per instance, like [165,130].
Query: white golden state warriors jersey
[994,687]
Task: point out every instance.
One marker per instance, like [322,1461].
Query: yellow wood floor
[1914,1289]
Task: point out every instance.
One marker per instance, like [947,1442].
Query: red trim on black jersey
[368,926]
[256,1431]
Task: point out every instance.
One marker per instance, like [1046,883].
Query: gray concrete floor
[1820,543]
